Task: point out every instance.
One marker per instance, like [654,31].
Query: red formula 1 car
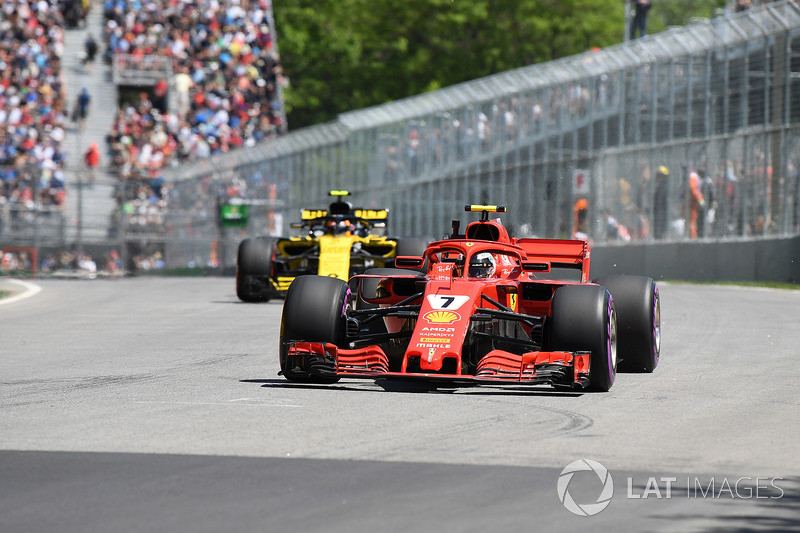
[478,307]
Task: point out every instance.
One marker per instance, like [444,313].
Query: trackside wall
[763,259]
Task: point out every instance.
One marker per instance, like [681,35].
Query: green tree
[666,13]
[342,55]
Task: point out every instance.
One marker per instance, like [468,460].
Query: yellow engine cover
[334,255]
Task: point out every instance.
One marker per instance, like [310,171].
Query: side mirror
[408,261]
[539,266]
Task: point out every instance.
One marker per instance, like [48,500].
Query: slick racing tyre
[315,311]
[584,319]
[254,269]
[638,306]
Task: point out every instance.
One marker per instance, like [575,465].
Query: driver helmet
[481,265]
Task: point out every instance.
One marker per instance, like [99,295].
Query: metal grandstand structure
[722,96]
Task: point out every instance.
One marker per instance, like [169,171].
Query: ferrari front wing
[561,369]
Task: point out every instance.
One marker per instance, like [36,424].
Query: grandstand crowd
[226,77]
[226,83]
[226,73]
[32,103]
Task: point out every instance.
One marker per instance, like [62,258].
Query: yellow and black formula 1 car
[339,242]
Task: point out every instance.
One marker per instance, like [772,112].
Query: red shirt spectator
[92,156]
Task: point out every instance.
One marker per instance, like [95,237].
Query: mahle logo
[586,509]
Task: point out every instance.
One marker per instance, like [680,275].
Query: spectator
[82,108]
[87,265]
[113,262]
[793,180]
[743,5]
[696,201]
[641,9]
[48,263]
[74,14]
[708,216]
[92,160]
[731,186]
[642,229]
[483,131]
[90,49]
[159,99]
[581,215]
[183,85]
[614,230]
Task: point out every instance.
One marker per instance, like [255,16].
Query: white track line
[30,290]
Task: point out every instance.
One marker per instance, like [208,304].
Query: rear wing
[563,253]
[365,219]
[364,214]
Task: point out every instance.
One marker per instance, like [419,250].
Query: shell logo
[441,317]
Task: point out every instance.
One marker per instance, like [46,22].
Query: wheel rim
[657,323]
[612,338]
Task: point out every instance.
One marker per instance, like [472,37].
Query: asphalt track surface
[154,405]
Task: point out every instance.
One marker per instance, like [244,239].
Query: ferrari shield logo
[431,351]
[512,301]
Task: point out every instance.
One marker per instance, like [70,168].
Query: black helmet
[481,265]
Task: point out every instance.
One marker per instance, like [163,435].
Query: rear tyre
[254,269]
[314,310]
[638,305]
[584,319]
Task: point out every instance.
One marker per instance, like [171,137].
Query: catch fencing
[568,146]
[30,211]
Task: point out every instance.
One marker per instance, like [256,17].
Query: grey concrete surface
[153,404]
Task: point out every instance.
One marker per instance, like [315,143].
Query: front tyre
[584,319]
[638,305]
[254,261]
[314,311]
